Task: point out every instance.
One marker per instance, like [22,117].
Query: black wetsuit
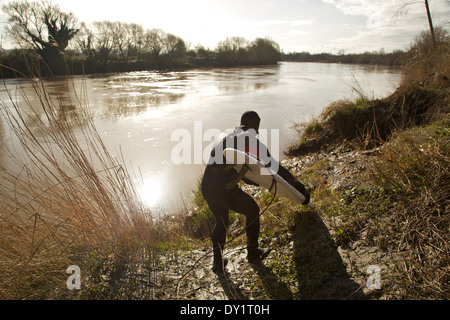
[220,199]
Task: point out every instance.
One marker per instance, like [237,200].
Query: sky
[332,26]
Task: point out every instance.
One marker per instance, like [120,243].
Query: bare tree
[118,33]
[134,40]
[170,42]
[233,50]
[41,26]
[430,20]
[174,49]
[153,42]
[232,44]
[85,40]
[105,40]
[430,23]
[128,39]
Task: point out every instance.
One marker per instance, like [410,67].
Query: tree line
[396,58]
[50,41]
[425,43]
[59,43]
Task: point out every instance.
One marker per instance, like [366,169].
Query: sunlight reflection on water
[137,112]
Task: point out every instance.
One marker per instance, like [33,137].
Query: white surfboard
[257,172]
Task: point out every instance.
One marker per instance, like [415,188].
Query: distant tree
[85,41]
[202,52]
[174,48]
[42,27]
[264,51]
[134,40]
[128,39]
[232,51]
[169,42]
[105,41]
[118,34]
[153,42]
[232,44]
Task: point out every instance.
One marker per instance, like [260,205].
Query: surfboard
[255,170]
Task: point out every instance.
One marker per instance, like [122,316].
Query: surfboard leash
[274,184]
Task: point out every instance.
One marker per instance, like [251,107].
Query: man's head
[250,120]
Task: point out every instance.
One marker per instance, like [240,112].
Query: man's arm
[250,182]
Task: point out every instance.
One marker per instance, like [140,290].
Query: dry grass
[405,211]
[414,169]
[59,193]
[428,66]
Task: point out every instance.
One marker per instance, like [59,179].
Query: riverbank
[377,171]
[379,229]
[378,174]
[321,253]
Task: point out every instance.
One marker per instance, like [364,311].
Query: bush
[428,65]
[347,119]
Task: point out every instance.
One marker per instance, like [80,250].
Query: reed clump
[60,194]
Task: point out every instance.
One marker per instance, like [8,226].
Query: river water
[147,115]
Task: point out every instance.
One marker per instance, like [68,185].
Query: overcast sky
[296,25]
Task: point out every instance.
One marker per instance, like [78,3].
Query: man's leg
[218,236]
[247,206]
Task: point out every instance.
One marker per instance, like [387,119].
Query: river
[145,115]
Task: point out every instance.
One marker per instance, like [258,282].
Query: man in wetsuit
[220,198]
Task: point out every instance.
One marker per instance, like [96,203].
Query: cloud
[357,7]
[389,24]
[296,32]
[295,23]
[392,38]
[302,22]
[391,9]
[265,23]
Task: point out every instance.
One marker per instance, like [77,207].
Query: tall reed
[62,190]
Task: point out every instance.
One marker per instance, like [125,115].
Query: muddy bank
[308,261]
[304,262]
